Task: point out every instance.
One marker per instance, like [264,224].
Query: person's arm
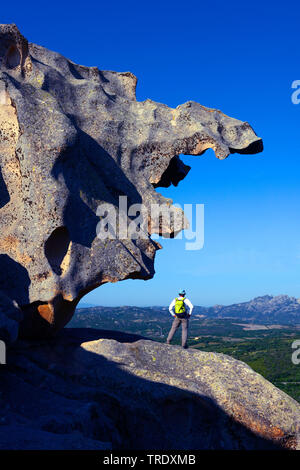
[190,306]
[171,306]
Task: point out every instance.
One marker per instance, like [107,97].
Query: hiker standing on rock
[182,311]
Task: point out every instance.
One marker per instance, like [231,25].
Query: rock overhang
[77,138]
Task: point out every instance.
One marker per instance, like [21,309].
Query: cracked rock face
[73,138]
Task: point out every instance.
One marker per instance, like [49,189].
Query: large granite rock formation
[123,392]
[72,138]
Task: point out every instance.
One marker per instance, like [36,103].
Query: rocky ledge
[77,391]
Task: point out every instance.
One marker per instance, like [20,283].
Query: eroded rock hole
[56,248]
[175,172]
[13,58]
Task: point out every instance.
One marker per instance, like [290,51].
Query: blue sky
[239,58]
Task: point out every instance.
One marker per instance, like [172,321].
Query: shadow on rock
[60,394]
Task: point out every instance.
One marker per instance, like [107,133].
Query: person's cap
[182,292]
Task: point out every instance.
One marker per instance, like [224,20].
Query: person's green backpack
[180,307]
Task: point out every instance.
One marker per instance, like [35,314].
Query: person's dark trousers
[184,322]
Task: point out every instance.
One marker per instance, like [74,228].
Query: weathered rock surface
[74,137]
[120,392]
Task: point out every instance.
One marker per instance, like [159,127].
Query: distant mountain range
[85,305]
[267,309]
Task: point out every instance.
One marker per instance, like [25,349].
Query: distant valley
[266,310]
